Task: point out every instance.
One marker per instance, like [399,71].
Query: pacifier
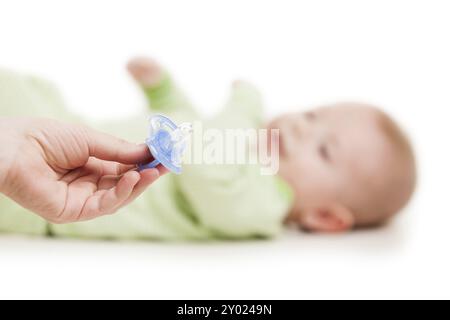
[167,143]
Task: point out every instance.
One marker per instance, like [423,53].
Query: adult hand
[68,173]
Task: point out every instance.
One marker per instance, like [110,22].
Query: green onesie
[205,202]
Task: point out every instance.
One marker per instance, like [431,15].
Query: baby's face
[327,154]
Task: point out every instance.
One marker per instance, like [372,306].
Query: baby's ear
[328,218]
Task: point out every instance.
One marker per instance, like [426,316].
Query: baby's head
[349,164]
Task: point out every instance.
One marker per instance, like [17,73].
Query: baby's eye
[324,153]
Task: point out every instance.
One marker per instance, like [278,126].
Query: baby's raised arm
[161,91]
[244,108]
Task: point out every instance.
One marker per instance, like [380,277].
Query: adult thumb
[106,147]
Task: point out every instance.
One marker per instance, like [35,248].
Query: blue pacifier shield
[167,142]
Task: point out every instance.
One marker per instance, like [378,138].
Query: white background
[301,53]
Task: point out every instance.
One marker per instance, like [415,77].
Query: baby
[348,164]
[342,166]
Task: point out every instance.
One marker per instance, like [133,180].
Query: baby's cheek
[309,168]
[316,180]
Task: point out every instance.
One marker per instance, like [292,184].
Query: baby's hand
[68,173]
[145,71]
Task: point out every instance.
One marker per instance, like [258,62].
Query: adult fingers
[107,147]
[147,178]
[107,201]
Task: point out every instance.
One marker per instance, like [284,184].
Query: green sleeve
[166,98]
[244,108]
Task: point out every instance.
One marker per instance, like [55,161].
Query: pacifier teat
[167,143]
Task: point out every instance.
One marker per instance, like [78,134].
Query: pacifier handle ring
[161,120]
[150,165]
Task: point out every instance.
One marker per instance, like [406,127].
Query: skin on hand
[68,173]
